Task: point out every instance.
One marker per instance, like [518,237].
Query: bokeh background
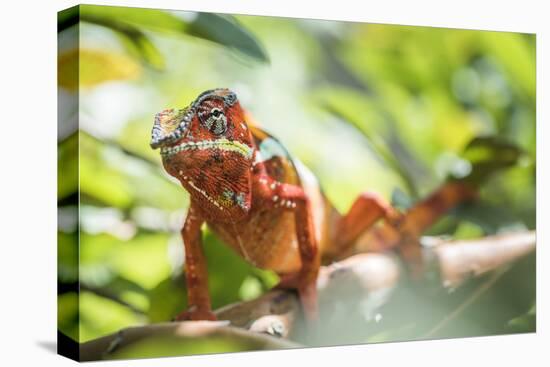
[386,108]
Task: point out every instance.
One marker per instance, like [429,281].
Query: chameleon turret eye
[214,120]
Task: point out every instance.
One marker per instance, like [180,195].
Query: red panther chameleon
[267,206]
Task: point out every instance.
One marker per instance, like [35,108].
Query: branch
[115,345]
[364,282]
[349,290]
[459,259]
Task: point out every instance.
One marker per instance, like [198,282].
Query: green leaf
[119,20]
[142,46]
[154,19]
[129,22]
[100,316]
[362,112]
[488,155]
[521,66]
[115,178]
[67,167]
[172,346]
[67,18]
[94,67]
[167,299]
[67,314]
[141,260]
[225,30]
[526,322]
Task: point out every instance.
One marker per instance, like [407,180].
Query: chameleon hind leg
[367,209]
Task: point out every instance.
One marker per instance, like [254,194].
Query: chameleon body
[267,206]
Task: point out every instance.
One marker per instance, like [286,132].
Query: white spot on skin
[205,195]
[243,126]
[275,198]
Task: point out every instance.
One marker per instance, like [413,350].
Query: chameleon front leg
[367,209]
[196,275]
[293,198]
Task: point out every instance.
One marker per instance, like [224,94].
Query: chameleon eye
[216,121]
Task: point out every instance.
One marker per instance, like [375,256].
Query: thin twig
[467,302]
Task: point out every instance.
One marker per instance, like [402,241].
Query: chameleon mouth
[170,125]
[222,144]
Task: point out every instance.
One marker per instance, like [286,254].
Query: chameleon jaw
[170,125]
[222,144]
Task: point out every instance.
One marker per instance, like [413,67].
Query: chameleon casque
[264,204]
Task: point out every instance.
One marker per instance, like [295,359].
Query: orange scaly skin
[261,202]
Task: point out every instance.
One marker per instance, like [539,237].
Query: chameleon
[265,204]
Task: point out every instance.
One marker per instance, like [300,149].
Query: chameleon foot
[307,292]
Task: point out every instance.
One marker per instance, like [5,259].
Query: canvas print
[233,183]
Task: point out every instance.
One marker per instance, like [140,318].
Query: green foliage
[168,346]
[130,23]
[390,109]
[488,155]
[225,30]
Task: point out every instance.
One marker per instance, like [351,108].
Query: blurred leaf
[67,167]
[521,67]
[525,323]
[154,19]
[225,30]
[67,315]
[101,316]
[490,217]
[134,138]
[221,29]
[488,155]
[94,67]
[67,18]
[118,179]
[251,288]
[142,46]
[142,260]
[167,299]
[170,346]
[467,230]
[67,257]
[225,285]
[361,111]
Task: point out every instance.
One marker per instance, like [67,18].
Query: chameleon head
[209,148]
